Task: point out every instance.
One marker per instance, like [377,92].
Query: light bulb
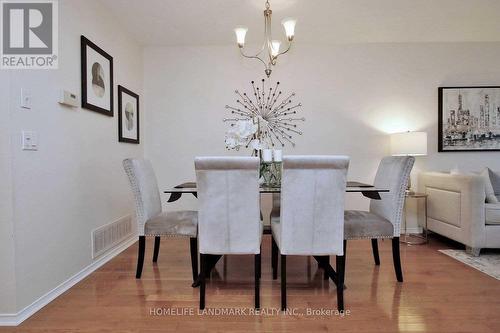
[289,25]
[275,47]
[240,35]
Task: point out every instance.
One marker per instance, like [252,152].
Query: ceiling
[211,22]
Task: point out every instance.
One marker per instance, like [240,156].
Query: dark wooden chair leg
[283,282]
[257,280]
[156,250]
[260,263]
[193,244]
[274,258]
[203,262]
[224,266]
[324,264]
[345,259]
[340,263]
[397,259]
[140,256]
[325,273]
[210,262]
[375,251]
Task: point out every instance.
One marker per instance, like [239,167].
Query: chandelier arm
[250,56]
[285,51]
[257,54]
[253,57]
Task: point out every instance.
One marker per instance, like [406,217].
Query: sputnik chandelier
[275,114]
[270,46]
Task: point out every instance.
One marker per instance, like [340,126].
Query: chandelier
[270,50]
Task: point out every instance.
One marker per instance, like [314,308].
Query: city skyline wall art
[469,119]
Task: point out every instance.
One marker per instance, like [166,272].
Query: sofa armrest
[457,200]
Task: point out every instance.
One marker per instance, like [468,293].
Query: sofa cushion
[495,181]
[490,193]
[492,213]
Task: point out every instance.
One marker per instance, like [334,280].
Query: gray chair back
[393,173]
[312,205]
[145,190]
[229,205]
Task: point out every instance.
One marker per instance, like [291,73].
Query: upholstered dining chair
[311,221]
[383,220]
[229,212]
[151,221]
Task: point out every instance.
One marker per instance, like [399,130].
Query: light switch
[26,98]
[29,140]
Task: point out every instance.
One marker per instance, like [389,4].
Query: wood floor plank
[439,295]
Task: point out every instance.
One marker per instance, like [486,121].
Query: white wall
[7,256]
[353,96]
[75,181]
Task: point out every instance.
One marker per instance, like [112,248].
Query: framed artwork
[469,119]
[128,116]
[97,78]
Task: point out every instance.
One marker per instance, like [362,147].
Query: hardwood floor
[439,295]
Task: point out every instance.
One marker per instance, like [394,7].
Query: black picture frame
[84,45]
[442,146]
[122,90]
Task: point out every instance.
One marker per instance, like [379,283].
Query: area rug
[488,263]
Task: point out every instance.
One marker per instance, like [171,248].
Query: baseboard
[14,319]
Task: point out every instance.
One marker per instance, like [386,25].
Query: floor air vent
[110,235]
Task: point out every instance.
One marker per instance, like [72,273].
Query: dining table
[367,190]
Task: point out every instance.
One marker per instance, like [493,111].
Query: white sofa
[457,209]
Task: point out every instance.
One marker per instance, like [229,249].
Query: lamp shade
[409,144]
[289,25]
[240,35]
